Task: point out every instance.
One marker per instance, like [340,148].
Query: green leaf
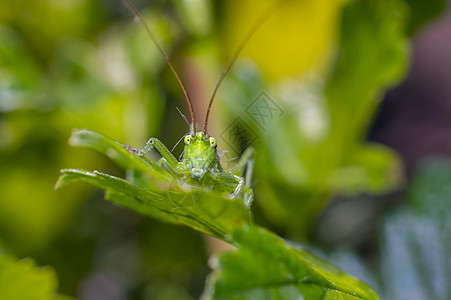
[21,279]
[118,153]
[152,191]
[271,266]
[267,267]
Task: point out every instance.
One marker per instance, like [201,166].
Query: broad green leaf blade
[21,279]
[416,239]
[353,264]
[118,153]
[202,210]
[267,267]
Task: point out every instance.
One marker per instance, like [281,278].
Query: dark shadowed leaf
[423,11]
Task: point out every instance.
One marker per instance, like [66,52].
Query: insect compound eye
[187,139]
[212,142]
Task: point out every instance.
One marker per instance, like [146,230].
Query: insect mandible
[201,162]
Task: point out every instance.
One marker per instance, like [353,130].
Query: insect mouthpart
[197,173]
[198,168]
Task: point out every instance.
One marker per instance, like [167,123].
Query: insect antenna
[178,142]
[255,26]
[181,155]
[183,116]
[138,18]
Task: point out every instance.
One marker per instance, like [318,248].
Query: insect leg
[169,159]
[165,165]
[239,187]
[235,184]
[246,161]
[147,147]
[228,182]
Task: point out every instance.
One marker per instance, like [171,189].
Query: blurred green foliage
[315,149]
[23,280]
[414,240]
[84,64]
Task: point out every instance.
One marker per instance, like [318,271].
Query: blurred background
[348,104]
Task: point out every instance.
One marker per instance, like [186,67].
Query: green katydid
[201,163]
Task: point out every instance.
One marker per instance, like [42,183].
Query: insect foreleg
[235,183]
[147,147]
[248,193]
[239,186]
[165,165]
[228,181]
[246,159]
[169,160]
